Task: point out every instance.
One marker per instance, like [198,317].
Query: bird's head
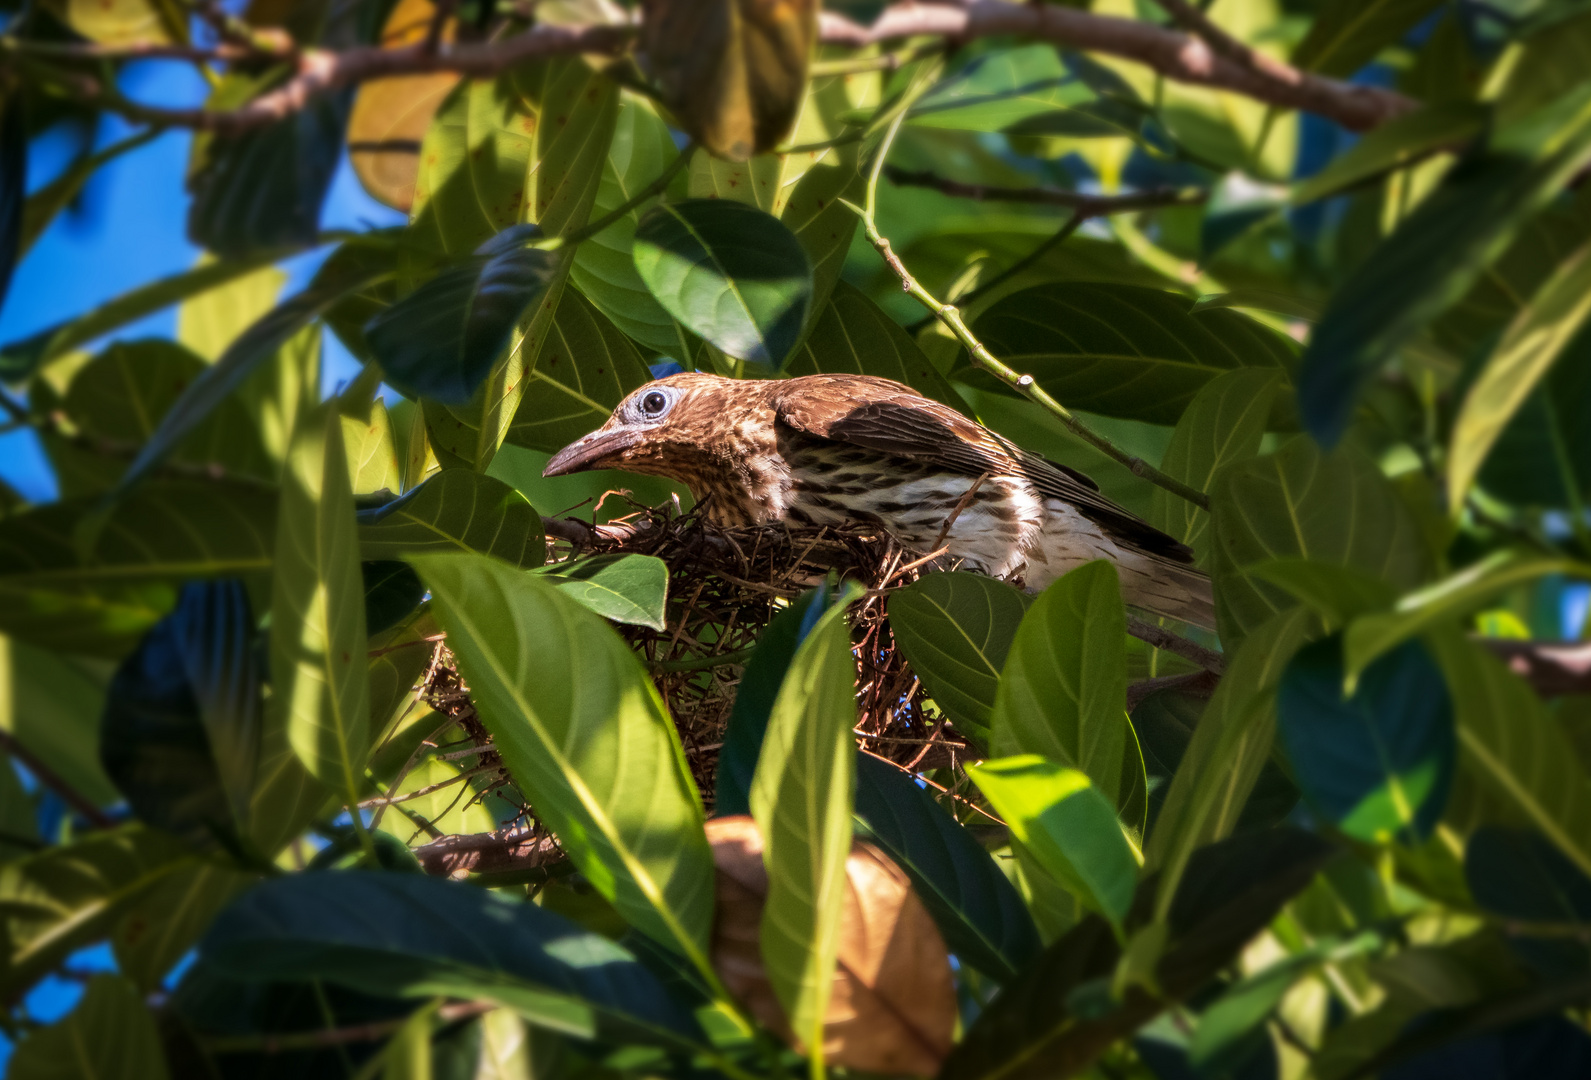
[686,427]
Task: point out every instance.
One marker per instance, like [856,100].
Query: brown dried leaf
[734,71]
[390,116]
[893,1009]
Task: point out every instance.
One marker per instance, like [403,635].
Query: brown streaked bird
[831,449]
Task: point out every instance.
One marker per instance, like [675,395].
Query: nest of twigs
[725,585]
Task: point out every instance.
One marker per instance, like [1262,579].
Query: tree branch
[493,852]
[55,782]
[1175,54]
[1555,669]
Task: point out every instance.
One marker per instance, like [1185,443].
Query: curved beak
[588,451]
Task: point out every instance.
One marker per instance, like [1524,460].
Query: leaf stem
[1025,385]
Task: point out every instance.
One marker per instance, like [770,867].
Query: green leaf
[1517,874]
[732,274]
[211,321]
[1224,423]
[405,935]
[1063,692]
[320,692]
[181,730]
[51,704]
[111,1035]
[1230,746]
[63,898]
[1376,632]
[455,510]
[1375,758]
[604,268]
[1068,825]
[956,629]
[1535,339]
[1435,254]
[621,588]
[1396,144]
[852,335]
[974,905]
[20,359]
[1123,350]
[1001,88]
[369,447]
[801,798]
[264,188]
[587,739]
[259,343]
[585,368]
[1512,748]
[125,22]
[1300,503]
[100,602]
[473,164]
[1336,593]
[160,927]
[1347,34]
[576,109]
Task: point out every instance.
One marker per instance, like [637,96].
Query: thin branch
[1161,638]
[55,782]
[1199,684]
[1085,204]
[1178,55]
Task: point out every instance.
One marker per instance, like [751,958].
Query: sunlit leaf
[621,588]
[455,510]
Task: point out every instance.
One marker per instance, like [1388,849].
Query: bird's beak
[588,451]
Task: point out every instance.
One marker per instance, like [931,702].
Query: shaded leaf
[1067,824]
[1376,759]
[13,186]
[1347,34]
[1301,503]
[586,738]
[1396,144]
[732,274]
[801,798]
[1224,423]
[111,1035]
[160,927]
[974,905]
[955,629]
[407,935]
[1001,88]
[455,510]
[51,704]
[320,692]
[1123,350]
[1063,692]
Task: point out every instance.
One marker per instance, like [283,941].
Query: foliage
[367,759]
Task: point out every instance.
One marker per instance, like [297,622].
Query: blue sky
[129,231]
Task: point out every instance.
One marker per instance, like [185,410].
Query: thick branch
[1161,638]
[1175,54]
[493,852]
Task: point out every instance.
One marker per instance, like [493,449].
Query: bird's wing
[893,419]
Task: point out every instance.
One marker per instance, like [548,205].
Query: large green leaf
[585,368]
[63,898]
[1435,255]
[730,273]
[801,798]
[1512,748]
[455,510]
[160,927]
[211,321]
[100,601]
[625,588]
[442,340]
[1398,143]
[51,704]
[1377,761]
[473,162]
[576,109]
[587,739]
[853,335]
[1063,693]
[1532,342]
[604,268]
[956,629]
[405,935]
[1302,503]
[1001,88]
[1124,350]
[19,359]
[1347,34]
[320,692]
[974,905]
[1224,423]
[111,1035]
[1068,826]
[1229,747]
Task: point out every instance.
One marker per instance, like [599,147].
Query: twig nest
[892,1009]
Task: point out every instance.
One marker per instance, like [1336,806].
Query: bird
[836,449]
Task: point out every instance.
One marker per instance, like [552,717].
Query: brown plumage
[826,449]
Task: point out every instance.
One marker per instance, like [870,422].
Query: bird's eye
[655,403]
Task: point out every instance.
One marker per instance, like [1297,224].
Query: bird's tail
[1162,587]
